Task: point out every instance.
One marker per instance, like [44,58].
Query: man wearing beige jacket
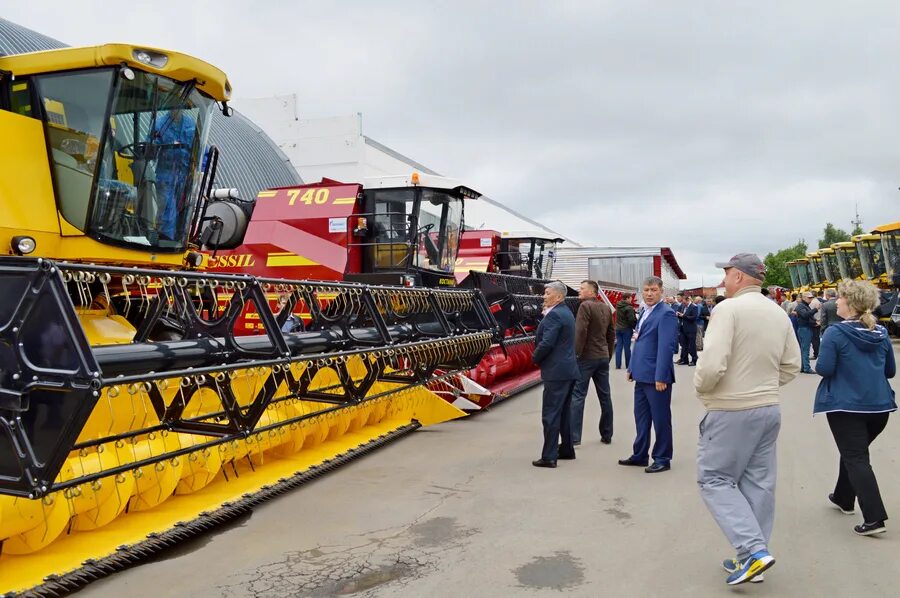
[750,351]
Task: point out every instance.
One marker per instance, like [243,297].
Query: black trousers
[556,412]
[816,336]
[688,340]
[853,433]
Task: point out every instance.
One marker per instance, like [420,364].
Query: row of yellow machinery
[874,257]
[118,438]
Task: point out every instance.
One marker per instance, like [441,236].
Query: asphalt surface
[458,510]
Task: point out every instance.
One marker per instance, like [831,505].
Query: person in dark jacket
[688,336]
[806,323]
[626,320]
[554,352]
[855,362]
[702,320]
[678,308]
[595,338]
[829,311]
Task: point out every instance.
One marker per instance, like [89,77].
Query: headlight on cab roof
[150,57]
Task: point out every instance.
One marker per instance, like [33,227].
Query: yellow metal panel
[179,67]
[288,259]
[26,190]
[858,238]
[886,228]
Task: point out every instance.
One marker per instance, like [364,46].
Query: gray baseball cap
[748,263]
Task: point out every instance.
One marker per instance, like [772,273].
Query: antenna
[856,222]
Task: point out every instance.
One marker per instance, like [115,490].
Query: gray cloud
[710,127]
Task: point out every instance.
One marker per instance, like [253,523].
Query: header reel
[212,386]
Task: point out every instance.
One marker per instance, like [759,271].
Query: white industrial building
[623,266]
[336,148]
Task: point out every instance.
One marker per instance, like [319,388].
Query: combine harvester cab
[848,260]
[830,269]
[134,411]
[817,279]
[879,258]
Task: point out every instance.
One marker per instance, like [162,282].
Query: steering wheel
[140,147]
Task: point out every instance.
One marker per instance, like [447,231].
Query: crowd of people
[743,349]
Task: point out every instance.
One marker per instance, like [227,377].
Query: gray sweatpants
[736,471]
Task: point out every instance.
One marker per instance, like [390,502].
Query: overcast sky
[710,127]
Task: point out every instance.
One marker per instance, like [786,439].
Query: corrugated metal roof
[398,156]
[15,39]
[250,161]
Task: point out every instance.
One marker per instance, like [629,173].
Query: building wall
[626,266]
[669,278]
[627,271]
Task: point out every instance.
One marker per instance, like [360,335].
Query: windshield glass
[126,170]
[815,276]
[795,278]
[871,258]
[890,244]
[515,259]
[848,261]
[803,272]
[830,267]
[544,256]
[435,241]
[440,224]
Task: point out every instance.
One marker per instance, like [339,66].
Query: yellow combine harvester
[879,255]
[132,413]
[848,260]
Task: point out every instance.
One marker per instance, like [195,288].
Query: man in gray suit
[829,310]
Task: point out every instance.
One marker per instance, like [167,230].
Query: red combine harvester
[393,230]
[399,231]
[405,231]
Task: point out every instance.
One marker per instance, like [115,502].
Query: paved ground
[458,510]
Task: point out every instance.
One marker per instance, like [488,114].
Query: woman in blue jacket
[855,361]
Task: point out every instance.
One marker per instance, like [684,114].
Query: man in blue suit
[554,351]
[653,374]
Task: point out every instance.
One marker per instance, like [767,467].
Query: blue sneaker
[752,567]
[732,565]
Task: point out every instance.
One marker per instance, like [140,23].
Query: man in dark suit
[688,337]
[678,308]
[653,374]
[554,351]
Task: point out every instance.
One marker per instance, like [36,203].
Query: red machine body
[301,232]
[477,251]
